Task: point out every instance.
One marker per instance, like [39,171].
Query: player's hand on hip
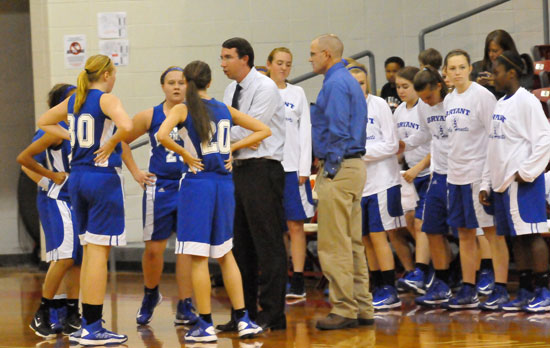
[59,177]
[144,178]
[104,152]
[229,163]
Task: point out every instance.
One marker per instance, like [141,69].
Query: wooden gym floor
[409,327]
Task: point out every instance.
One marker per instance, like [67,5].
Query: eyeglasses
[313,54]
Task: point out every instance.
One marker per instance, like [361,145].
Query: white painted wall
[174,32]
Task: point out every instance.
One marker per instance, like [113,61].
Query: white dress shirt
[259,98]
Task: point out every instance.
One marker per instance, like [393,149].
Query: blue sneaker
[95,334]
[439,293]
[145,312]
[185,314]
[521,300]
[466,298]
[498,297]
[201,332]
[386,298]
[74,338]
[414,281]
[486,282]
[248,328]
[55,322]
[540,303]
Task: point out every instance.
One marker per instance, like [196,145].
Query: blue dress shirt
[339,119]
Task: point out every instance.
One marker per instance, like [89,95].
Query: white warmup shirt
[297,148]
[381,148]
[408,124]
[519,141]
[468,122]
[432,127]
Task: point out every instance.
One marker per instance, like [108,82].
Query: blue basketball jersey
[41,157]
[90,129]
[56,159]
[164,163]
[216,151]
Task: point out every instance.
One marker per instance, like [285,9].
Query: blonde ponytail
[95,67]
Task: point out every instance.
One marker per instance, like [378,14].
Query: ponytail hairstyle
[272,56]
[94,69]
[408,73]
[457,52]
[198,76]
[171,68]
[429,77]
[59,93]
[512,61]
[355,67]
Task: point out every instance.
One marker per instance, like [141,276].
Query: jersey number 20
[223,143]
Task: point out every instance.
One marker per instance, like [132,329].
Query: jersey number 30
[84,130]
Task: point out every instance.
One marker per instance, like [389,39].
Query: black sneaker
[230,326]
[72,324]
[297,289]
[41,325]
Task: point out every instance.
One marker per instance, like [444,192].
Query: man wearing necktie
[338,121]
[259,182]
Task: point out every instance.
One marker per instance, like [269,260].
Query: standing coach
[339,135]
[259,181]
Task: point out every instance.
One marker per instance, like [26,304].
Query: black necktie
[235,100]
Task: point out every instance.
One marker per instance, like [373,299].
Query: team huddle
[229,178]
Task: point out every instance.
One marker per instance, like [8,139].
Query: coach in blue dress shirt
[339,135]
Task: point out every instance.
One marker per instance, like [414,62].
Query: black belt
[354,155]
[242,162]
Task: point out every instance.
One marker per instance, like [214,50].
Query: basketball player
[97,123]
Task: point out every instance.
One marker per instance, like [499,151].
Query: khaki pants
[340,245]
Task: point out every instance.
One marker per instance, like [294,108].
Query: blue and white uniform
[54,206]
[95,188]
[468,119]
[519,142]
[381,202]
[408,124]
[297,199]
[160,200]
[433,128]
[206,200]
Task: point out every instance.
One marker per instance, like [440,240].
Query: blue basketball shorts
[464,208]
[61,238]
[160,209]
[521,209]
[206,208]
[297,199]
[421,185]
[434,220]
[97,197]
[382,211]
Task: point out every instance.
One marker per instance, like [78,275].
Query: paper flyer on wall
[75,51]
[117,50]
[111,25]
